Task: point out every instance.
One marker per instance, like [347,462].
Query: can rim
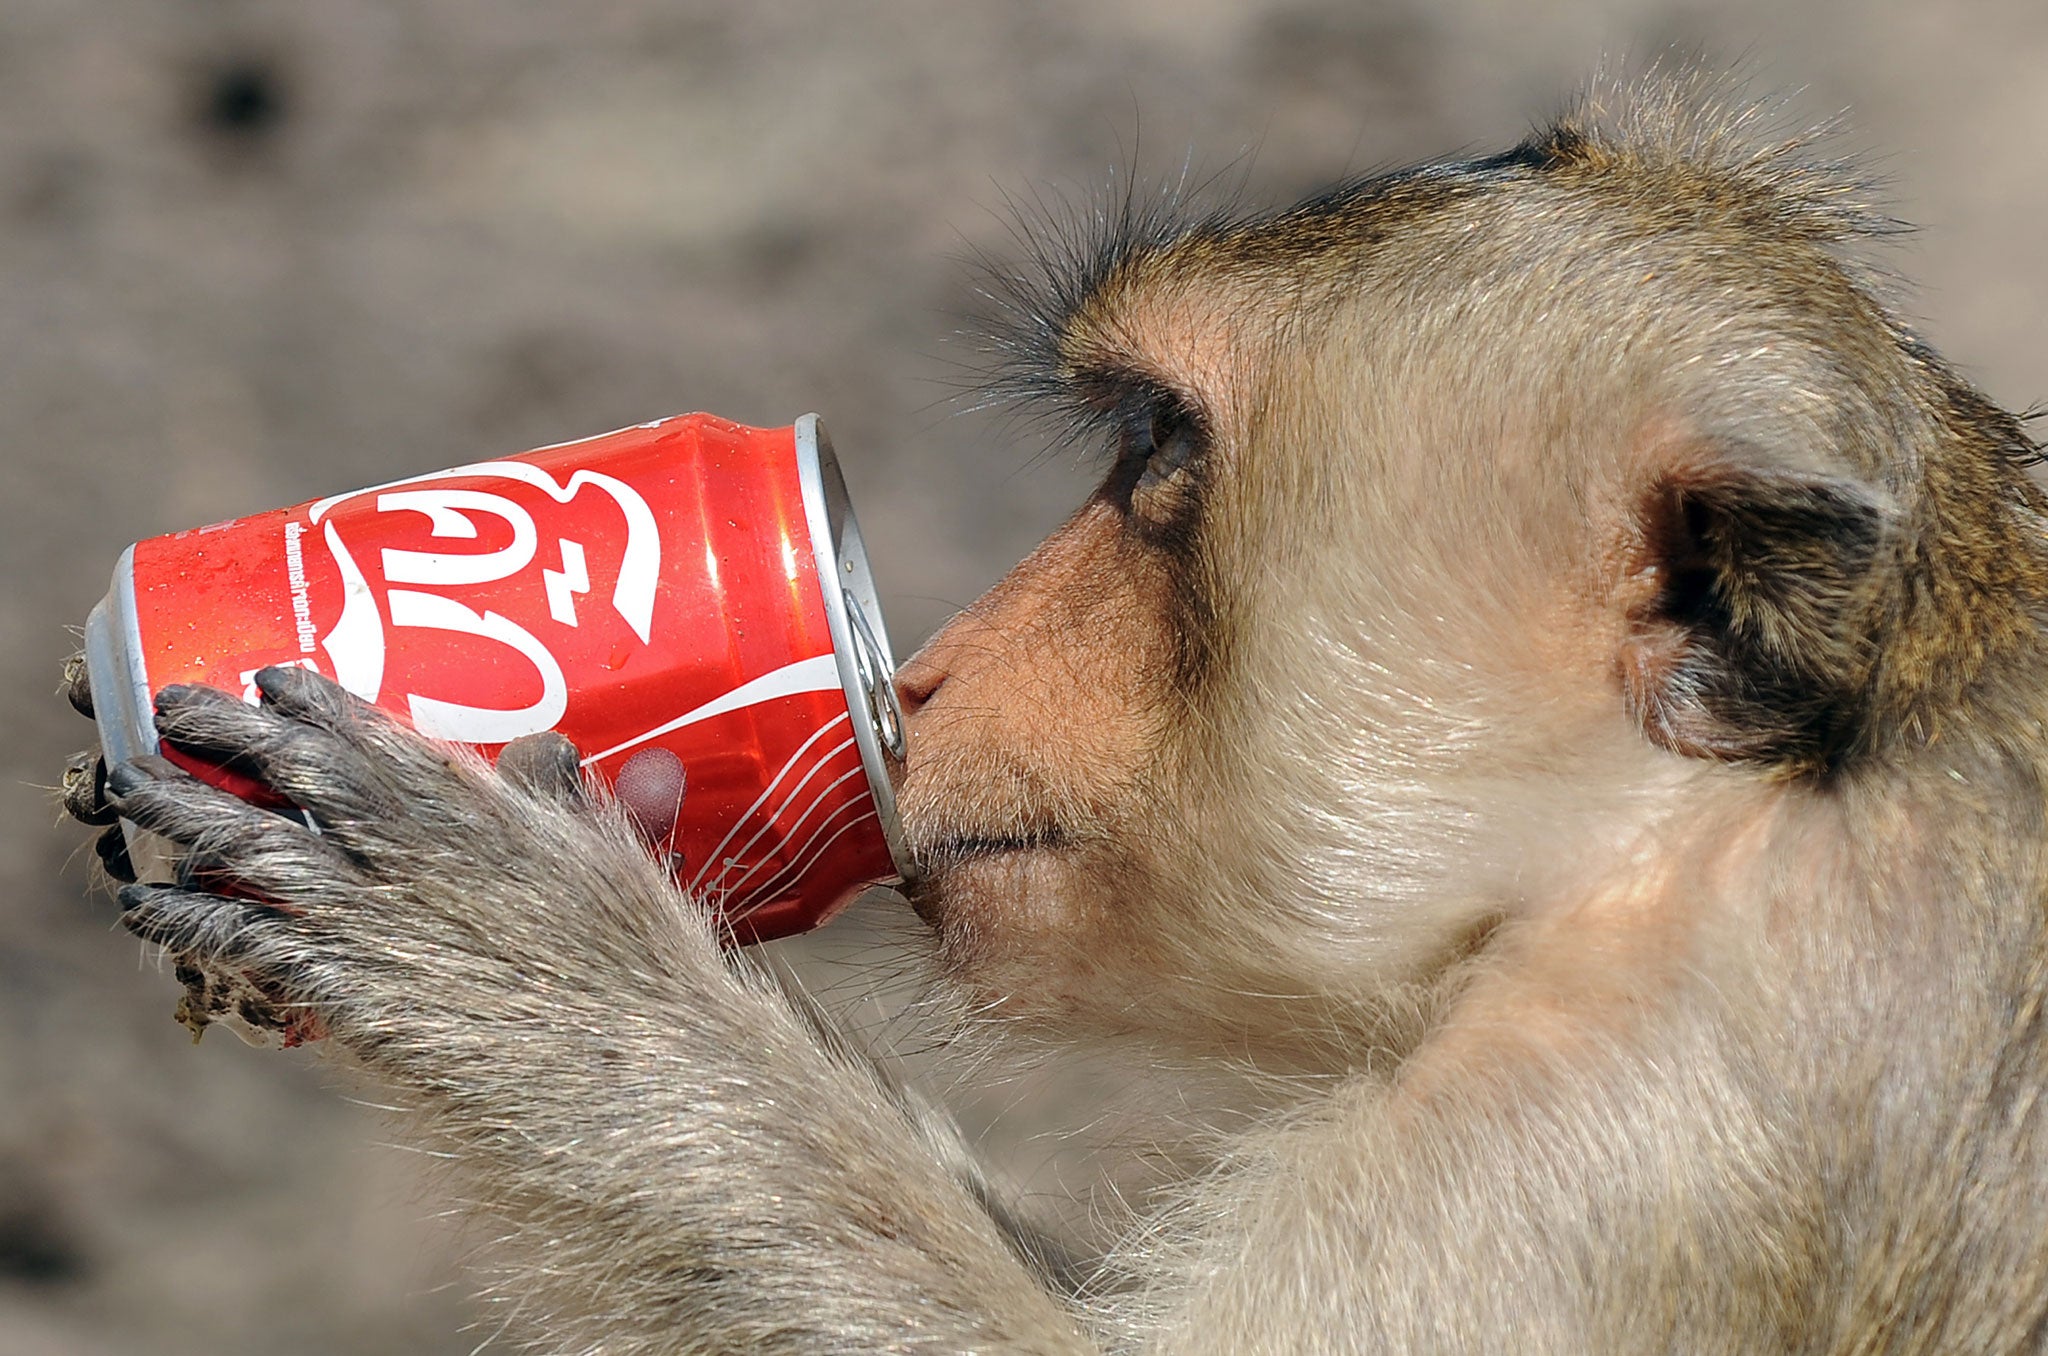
[854,616]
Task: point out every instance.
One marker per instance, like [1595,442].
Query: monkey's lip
[954,849]
[945,859]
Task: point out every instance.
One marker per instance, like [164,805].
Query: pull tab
[885,712]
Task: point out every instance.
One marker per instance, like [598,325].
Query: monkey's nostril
[921,677]
[915,685]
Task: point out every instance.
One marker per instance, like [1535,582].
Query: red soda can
[687,594]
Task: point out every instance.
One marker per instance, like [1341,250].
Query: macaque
[1549,703]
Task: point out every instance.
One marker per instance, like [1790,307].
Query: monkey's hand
[686,1165]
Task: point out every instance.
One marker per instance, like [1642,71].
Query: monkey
[1548,704]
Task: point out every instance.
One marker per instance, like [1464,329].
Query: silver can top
[860,643]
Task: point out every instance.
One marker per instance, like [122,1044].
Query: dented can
[688,590]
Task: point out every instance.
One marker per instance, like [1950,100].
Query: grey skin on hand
[545,764]
[566,1023]
[250,913]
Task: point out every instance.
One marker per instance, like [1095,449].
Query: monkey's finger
[308,765]
[77,686]
[85,789]
[112,847]
[370,748]
[210,928]
[227,841]
[546,765]
[212,725]
[650,787]
[302,694]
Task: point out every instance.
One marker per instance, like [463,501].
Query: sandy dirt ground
[252,251]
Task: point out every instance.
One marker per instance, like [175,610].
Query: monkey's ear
[1753,608]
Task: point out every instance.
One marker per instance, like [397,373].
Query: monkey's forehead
[1390,271]
[1151,285]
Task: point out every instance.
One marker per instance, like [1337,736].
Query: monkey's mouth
[948,861]
[964,846]
[951,850]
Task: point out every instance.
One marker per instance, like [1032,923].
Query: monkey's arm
[683,1165]
[1610,1193]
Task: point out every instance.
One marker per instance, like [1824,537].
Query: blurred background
[253,251]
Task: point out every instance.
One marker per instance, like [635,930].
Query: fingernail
[112,847]
[278,678]
[78,685]
[140,771]
[126,778]
[169,699]
[85,789]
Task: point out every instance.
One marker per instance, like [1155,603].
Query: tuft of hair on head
[1697,129]
[1683,117]
[1069,248]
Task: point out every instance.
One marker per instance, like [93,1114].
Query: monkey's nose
[917,681]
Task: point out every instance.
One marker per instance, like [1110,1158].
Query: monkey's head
[1468,533]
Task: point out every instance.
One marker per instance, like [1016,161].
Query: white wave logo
[819,673]
[356,643]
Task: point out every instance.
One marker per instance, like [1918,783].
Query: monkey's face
[1443,563]
[1195,765]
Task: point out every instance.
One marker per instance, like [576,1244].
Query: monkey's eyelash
[1154,432]
[1159,438]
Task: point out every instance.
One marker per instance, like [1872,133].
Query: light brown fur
[1547,707]
[1446,804]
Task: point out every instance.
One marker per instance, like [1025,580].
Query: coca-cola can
[686,596]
